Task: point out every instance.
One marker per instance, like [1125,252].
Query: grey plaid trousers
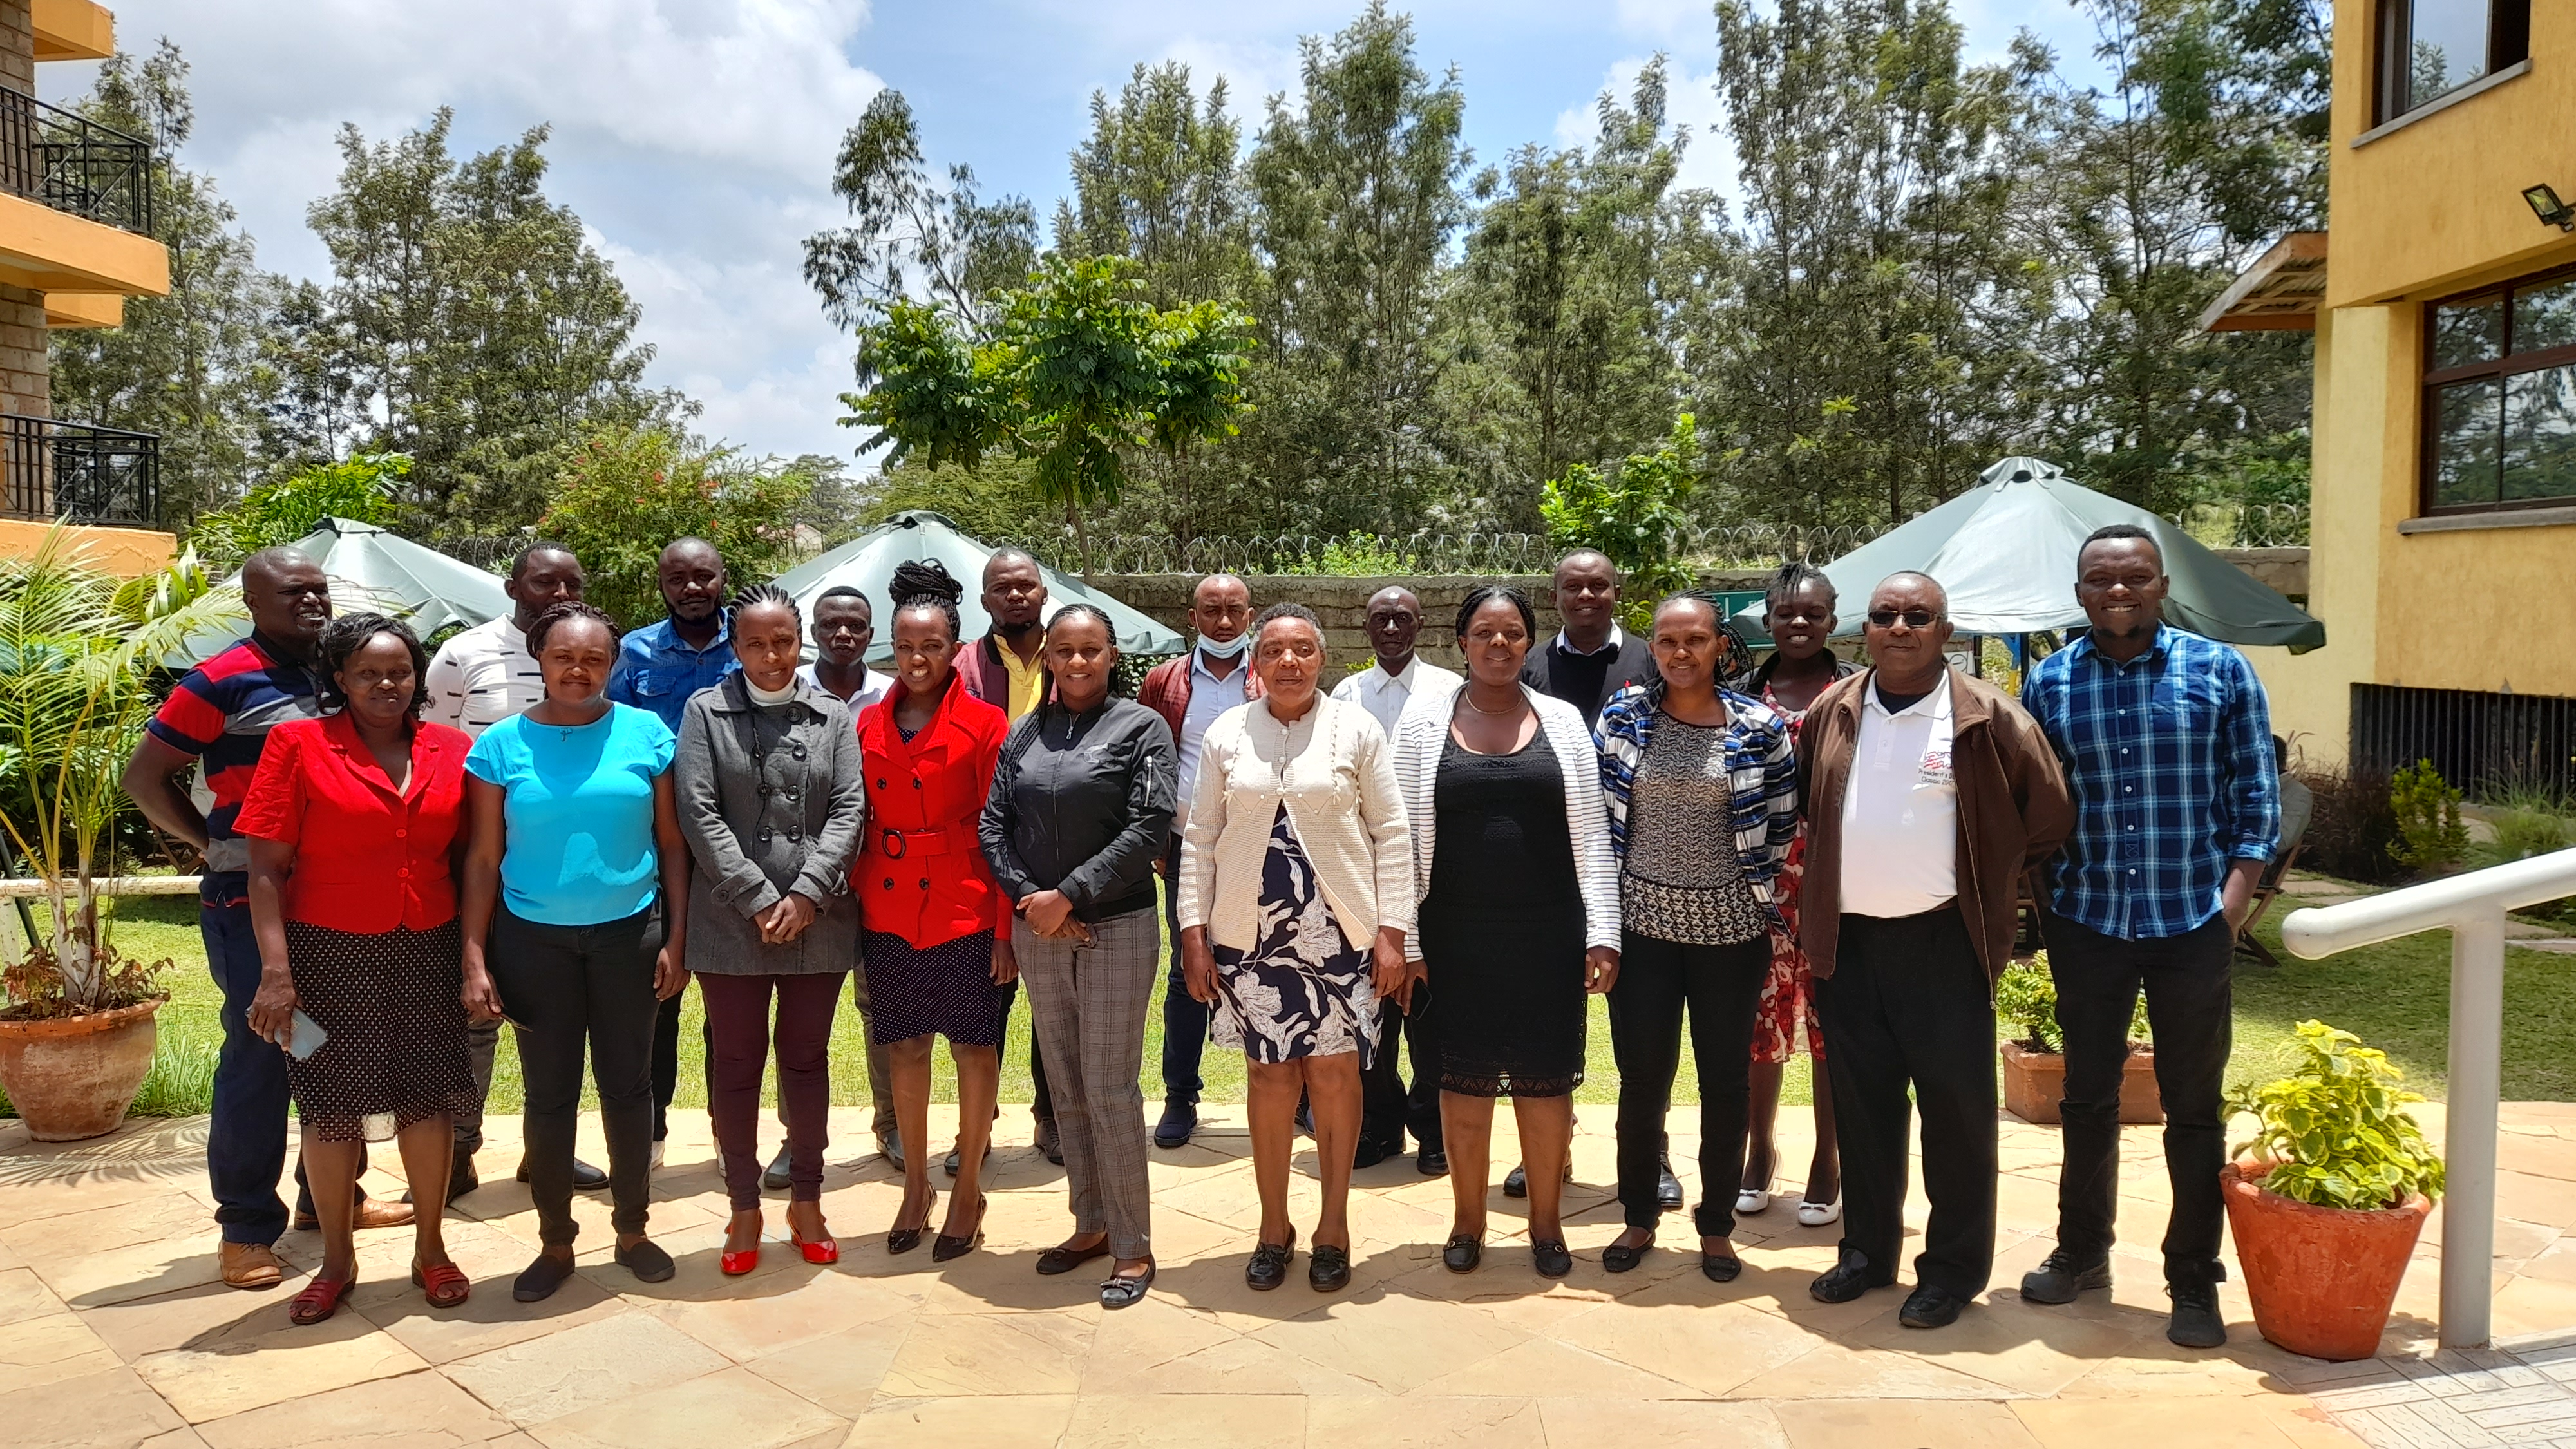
[1088,1005]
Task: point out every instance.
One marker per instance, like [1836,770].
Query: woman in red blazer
[934,928]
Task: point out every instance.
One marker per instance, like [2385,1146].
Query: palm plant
[78,649]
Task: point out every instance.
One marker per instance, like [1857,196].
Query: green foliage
[2431,837]
[361,489]
[1357,555]
[2026,1000]
[2336,1129]
[1634,517]
[76,658]
[629,491]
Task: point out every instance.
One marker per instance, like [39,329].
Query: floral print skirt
[1301,991]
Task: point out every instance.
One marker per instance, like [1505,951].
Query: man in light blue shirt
[658,667]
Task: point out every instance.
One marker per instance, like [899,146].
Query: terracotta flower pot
[2322,1279]
[74,1076]
[2035,1082]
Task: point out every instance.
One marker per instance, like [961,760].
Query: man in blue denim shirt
[658,667]
[2168,751]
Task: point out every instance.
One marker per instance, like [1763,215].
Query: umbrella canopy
[2005,552]
[372,569]
[867,563]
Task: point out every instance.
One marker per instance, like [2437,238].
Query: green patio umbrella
[373,569]
[868,562]
[2005,552]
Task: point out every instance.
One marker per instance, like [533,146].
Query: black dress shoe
[1064,1260]
[2062,1277]
[1516,1181]
[1930,1307]
[1668,1188]
[955,1162]
[1847,1279]
[1369,1154]
[1328,1269]
[1618,1259]
[541,1279]
[460,1181]
[1306,1118]
[1431,1162]
[1269,1266]
[585,1178]
[1462,1253]
[647,1262]
[775,1178]
[1549,1256]
[1180,1119]
[891,1145]
[1051,1142]
[1719,1270]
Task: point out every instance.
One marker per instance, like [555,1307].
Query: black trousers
[1388,1108]
[1908,1005]
[1721,986]
[566,987]
[2190,1001]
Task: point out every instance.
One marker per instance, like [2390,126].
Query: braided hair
[751,595]
[1075,611]
[926,584]
[569,609]
[1789,578]
[1483,594]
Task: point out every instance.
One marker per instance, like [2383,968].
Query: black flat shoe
[1368,1154]
[1548,1255]
[647,1262]
[1847,1279]
[1180,1119]
[1269,1266]
[944,1249]
[585,1178]
[1668,1188]
[1126,1292]
[541,1279]
[1719,1270]
[1930,1307]
[1328,1269]
[1462,1253]
[775,1177]
[1064,1260]
[1516,1181]
[1622,1260]
[1051,1143]
[1431,1162]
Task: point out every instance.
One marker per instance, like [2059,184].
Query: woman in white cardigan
[1295,895]
[1518,909]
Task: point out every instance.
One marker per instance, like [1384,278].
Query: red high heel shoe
[820,1250]
[736,1264]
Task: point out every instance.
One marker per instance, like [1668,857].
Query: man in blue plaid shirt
[2168,751]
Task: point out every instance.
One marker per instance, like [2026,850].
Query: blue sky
[695,137]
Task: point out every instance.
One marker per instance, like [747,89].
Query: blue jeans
[1185,1018]
[246,1138]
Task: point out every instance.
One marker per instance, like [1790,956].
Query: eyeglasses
[1914,618]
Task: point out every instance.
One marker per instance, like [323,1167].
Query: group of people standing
[1357,868]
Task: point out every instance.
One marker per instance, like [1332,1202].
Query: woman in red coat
[935,935]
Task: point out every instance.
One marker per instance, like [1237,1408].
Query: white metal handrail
[120,885]
[2472,908]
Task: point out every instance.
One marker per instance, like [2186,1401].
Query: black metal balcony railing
[80,473]
[74,164]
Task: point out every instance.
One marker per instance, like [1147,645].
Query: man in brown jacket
[1928,795]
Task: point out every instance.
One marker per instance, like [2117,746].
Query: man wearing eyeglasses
[2167,744]
[1928,795]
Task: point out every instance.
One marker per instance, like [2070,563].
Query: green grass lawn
[2395,996]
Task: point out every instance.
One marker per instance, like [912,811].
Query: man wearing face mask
[658,667]
[1189,693]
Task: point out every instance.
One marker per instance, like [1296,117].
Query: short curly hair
[1287,609]
[348,634]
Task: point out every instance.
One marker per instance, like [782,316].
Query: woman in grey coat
[771,797]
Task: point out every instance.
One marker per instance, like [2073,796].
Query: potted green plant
[2327,1198]
[77,648]
[2034,1053]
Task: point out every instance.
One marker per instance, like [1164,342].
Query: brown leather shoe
[375,1212]
[250,1265]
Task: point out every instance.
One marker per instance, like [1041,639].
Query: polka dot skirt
[947,989]
[396,1053]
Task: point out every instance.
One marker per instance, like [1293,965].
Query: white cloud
[1690,101]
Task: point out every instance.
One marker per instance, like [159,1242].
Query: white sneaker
[656,1164]
[1818,1214]
[1752,1199]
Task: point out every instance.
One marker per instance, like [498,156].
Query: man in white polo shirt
[1929,793]
[481,677]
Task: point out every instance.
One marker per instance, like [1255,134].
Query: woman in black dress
[1519,913]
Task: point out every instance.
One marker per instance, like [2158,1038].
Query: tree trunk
[1081,540]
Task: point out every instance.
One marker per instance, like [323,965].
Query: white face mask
[1227,650]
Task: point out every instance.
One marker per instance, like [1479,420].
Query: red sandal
[436,1280]
[319,1300]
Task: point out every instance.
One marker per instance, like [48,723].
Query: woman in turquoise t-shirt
[574,831]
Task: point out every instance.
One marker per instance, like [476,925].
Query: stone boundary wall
[1342,603]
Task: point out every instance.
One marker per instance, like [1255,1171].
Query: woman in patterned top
[1798,613]
[1682,755]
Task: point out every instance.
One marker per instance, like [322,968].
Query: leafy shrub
[627,492]
[2026,998]
[361,489]
[2430,834]
[2352,827]
[2337,1130]
[1358,555]
[1634,518]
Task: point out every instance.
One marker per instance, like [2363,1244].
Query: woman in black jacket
[1082,803]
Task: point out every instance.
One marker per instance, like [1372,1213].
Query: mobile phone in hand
[304,1036]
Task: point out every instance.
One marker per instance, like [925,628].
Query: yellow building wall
[2420,213]
[128,553]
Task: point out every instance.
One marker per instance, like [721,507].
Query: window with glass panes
[2430,48]
[2500,397]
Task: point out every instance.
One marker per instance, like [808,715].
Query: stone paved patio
[114,1330]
